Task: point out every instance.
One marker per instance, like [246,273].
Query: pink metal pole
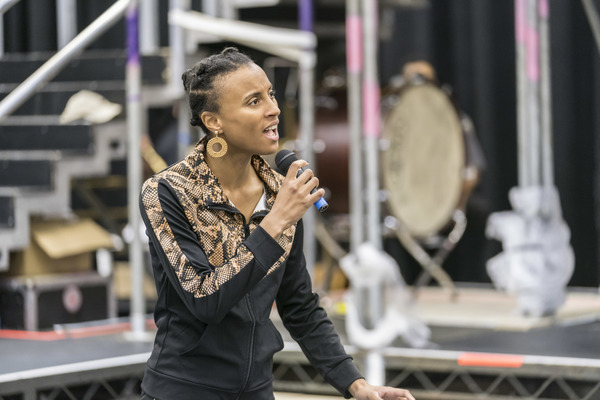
[354,57]
[371,118]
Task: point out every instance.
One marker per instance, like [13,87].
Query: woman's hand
[293,200]
[361,390]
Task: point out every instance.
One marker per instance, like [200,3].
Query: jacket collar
[212,191]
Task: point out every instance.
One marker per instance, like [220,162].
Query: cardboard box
[59,246]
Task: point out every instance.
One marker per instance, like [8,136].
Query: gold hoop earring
[219,142]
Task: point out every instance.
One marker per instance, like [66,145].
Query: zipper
[249,306]
[249,364]
[224,207]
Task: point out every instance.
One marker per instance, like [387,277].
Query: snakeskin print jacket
[217,278]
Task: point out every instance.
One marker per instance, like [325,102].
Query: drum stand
[432,265]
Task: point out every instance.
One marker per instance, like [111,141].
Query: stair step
[34,174]
[52,99]
[7,212]
[109,196]
[68,138]
[95,65]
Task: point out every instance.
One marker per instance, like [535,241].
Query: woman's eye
[272,93]
[255,101]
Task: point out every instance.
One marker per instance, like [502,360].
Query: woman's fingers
[294,168]
[306,181]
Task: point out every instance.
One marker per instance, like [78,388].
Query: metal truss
[429,374]
[472,385]
[110,379]
[437,375]
[124,388]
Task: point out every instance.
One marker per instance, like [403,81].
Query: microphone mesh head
[284,159]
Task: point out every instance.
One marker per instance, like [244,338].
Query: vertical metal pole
[374,363]
[210,7]
[594,21]
[305,15]
[177,46]
[228,10]
[1,35]
[533,85]
[66,21]
[522,142]
[354,70]
[546,95]
[134,168]
[306,131]
[149,27]
[596,91]
[307,126]
[371,121]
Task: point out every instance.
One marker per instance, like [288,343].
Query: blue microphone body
[283,160]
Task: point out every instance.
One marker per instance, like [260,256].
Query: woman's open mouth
[271,132]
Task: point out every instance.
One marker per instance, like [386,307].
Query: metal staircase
[39,157]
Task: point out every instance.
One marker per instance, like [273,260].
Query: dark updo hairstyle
[199,81]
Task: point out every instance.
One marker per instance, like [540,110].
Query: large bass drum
[424,160]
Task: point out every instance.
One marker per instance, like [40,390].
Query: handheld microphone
[283,160]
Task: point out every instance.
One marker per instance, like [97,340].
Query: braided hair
[199,81]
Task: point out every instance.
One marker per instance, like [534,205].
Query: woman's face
[248,111]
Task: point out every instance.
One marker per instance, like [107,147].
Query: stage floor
[479,356]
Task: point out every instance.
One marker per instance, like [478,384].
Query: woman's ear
[211,121]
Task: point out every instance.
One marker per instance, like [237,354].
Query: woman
[226,242]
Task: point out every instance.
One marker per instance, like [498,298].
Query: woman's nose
[274,109]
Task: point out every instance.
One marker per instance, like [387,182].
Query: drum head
[422,168]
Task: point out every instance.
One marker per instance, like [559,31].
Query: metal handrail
[6,4]
[56,63]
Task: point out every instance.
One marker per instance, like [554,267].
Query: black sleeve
[309,325]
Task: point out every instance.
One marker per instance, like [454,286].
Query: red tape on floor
[490,360]
[73,333]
